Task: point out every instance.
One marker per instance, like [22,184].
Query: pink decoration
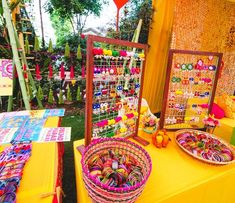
[217,111]
[62,74]
[71,72]
[83,72]
[130,115]
[50,74]
[25,71]
[123,53]
[204,106]
[117,119]
[38,76]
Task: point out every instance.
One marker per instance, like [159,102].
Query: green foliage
[135,10]
[50,47]
[40,93]
[69,95]
[36,44]
[69,8]
[69,16]
[50,97]
[79,53]
[27,48]
[61,99]
[67,50]
[79,98]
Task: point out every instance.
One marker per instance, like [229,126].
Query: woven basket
[102,193]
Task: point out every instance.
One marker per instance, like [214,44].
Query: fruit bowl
[205,147]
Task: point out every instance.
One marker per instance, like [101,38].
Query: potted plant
[210,123]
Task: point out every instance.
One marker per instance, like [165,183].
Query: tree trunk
[41,21]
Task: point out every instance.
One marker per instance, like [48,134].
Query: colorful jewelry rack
[114,79]
[190,86]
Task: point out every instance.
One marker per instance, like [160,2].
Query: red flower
[82,36]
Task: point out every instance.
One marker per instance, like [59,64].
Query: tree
[133,11]
[41,22]
[75,11]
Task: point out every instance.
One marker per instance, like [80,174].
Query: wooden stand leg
[141,140]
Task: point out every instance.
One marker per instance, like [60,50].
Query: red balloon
[120,3]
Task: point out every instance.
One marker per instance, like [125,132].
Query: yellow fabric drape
[159,41]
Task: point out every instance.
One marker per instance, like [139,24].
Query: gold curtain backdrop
[159,41]
[208,26]
[191,25]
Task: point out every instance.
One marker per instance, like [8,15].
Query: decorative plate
[205,147]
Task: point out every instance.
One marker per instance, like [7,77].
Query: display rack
[114,80]
[190,86]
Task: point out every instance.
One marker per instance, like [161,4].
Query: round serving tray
[177,133]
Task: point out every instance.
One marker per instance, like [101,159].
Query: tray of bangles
[205,147]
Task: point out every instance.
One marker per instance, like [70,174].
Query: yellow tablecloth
[176,177]
[40,172]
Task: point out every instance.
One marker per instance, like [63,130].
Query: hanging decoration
[71,72]
[38,74]
[69,96]
[62,73]
[27,48]
[83,71]
[61,99]
[6,82]
[25,71]
[36,44]
[50,97]
[50,73]
[50,47]
[67,50]
[119,4]
[79,98]
[40,93]
[79,53]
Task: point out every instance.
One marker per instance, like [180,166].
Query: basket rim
[114,189]
[178,132]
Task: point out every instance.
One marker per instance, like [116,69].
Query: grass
[69,179]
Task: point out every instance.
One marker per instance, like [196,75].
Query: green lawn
[69,182]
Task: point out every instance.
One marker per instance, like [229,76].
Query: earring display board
[190,86]
[114,80]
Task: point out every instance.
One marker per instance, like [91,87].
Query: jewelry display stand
[190,86]
[114,81]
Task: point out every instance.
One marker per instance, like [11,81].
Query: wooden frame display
[191,81]
[114,80]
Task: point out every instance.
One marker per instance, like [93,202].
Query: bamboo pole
[31,80]
[15,53]
[10,98]
[20,45]
[136,39]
